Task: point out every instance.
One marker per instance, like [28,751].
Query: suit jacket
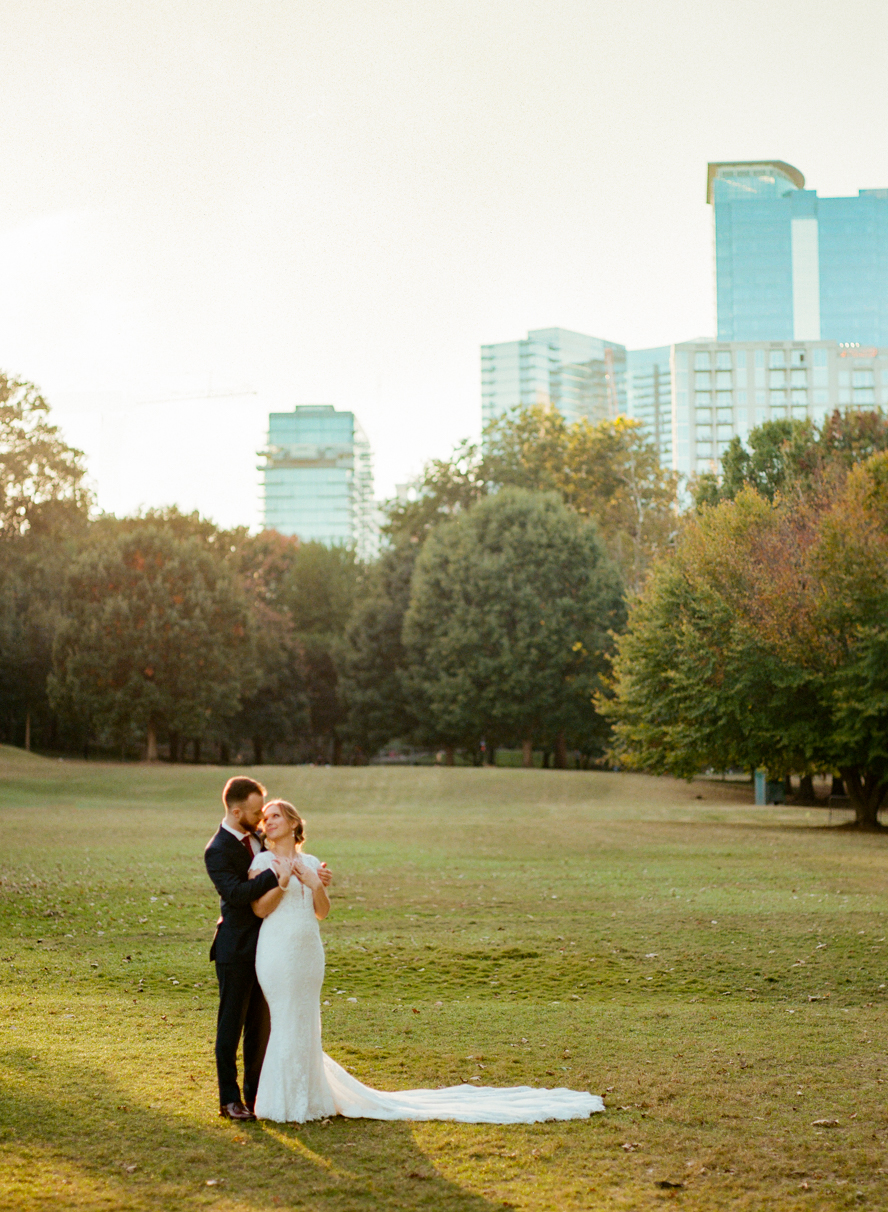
[237,929]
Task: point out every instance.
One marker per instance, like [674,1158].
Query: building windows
[798,357]
[701,360]
[759,357]
[820,357]
[777,378]
[702,380]
[799,396]
[740,359]
[777,358]
[723,379]
[844,395]
[723,360]
[863,378]
[760,397]
[844,378]
[821,396]
[864,395]
[799,378]
[703,399]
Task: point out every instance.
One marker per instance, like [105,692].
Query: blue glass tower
[792,266]
[318,478]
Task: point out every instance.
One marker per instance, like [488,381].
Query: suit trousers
[242,1009]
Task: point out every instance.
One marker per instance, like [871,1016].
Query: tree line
[547,589]
[486,622]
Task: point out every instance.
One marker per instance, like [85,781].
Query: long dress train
[300,1082]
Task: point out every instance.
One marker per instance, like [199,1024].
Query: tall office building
[724,389]
[794,267]
[581,376]
[649,395]
[318,478]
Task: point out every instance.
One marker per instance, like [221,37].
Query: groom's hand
[324,875]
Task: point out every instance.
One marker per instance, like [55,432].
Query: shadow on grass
[77,1139]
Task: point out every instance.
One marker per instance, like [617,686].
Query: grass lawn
[715,970]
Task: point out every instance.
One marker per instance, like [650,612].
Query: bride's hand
[282,870]
[305,874]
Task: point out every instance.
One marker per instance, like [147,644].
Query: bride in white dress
[299,1081]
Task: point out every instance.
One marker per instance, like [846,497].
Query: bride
[299,1081]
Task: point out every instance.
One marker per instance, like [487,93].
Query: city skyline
[344,204]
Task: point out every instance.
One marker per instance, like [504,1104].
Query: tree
[318,593]
[763,642]
[277,710]
[41,477]
[156,637]
[511,609]
[608,472]
[375,661]
[700,676]
[793,457]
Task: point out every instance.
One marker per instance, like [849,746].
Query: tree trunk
[527,752]
[545,759]
[28,732]
[491,756]
[151,744]
[174,746]
[337,751]
[448,755]
[560,752]
[257,751]
[866,793]
[197,751]
[224,754]
[806,790]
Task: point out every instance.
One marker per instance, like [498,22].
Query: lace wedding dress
[300,1082]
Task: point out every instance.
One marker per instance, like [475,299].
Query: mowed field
[715,970]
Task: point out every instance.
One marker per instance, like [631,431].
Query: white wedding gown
[300,1082]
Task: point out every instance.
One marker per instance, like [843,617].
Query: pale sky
[339,202]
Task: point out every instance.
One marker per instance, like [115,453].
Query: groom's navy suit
[242,1007]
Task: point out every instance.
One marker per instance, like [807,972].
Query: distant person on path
[242,1007]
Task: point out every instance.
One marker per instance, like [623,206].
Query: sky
[213,209]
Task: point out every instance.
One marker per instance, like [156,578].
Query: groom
[242,1008]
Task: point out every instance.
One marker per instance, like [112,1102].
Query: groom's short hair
[238,790]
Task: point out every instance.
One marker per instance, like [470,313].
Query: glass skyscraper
[794,267]
[318,478]
[724,389]
[579,375]
[649,395]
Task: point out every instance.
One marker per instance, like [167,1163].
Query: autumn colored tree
[763,642]
[156,637]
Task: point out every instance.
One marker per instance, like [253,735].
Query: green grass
[607,932]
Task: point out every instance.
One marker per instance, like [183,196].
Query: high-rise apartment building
[794,267]
[724,389]
[649,395]
[318,478]
[579,375]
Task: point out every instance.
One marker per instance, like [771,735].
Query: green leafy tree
[511,610]
[41,477]
[609,472]
[156,637]
[277,710]
[318,593]
[375,660]
[793,457]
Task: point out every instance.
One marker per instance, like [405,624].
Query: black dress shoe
[236,1111]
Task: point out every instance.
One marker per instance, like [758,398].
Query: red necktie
[245,841]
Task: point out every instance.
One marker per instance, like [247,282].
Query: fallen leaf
[824,1123]
[130,1168]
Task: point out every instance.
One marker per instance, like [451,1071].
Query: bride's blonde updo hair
[297,824]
